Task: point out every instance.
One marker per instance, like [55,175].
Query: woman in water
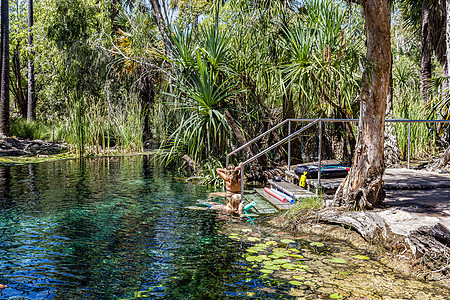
[234,205]
[232,177]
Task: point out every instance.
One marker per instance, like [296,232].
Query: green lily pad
[280,261]
[272,267]
[294,250]
[251,258]
[268,263]
[299,277]
[289,266]
[264,257]
[273,256]
[295,282]
[296,255]
[360,257]
[253,239]
[233,237]
[271,243]
[255,249]
[279,250]
[336,296]
[302,266]
[308,282]
[316,244]
[287,241]
[338,260]
[267,271]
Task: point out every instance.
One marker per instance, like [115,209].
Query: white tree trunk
[362,188]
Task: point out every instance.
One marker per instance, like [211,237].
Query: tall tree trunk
[238,134]
[447,35]
[425,65]
[31,103]
[289,113]
[146,93]
[113,16]
[4,78]
[156,12]
[17,90]
[362,188]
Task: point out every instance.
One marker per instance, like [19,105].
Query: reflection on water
[116,228]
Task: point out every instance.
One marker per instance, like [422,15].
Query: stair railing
[313,122]
[288,138]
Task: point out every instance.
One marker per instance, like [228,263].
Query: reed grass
[127,126]
[423,137]
[93,125]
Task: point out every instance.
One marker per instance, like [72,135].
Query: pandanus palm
[200,129]
[324,58]
[323,65]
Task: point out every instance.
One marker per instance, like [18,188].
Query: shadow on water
[118,228]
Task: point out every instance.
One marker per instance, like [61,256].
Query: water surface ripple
[117,228]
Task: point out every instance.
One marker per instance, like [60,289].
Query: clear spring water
[117,228]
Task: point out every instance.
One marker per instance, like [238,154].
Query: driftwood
[431,244]
[369,224]
[441,233]
[426,241]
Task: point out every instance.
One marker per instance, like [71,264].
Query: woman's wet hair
[233,174]
[235,201]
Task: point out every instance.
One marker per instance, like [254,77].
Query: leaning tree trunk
[4,78]
[362,188]
[31,103]
[157,15]
[425,65]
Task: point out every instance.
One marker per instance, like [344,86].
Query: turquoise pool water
[117,228]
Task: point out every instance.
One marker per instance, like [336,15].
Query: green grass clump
[34,130]
[303,208]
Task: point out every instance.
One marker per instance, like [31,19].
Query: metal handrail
[323,120]
[314,121]
[254,140]
[268,149]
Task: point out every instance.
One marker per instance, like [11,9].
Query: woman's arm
[222,173]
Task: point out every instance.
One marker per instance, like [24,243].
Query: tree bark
[289,113]
[447,37]
[445,159]
[17,90]
[425,65]
[156,12]
[362,188]
[31,103]
[238,134]
[4,78]
[146,93]
[113,16]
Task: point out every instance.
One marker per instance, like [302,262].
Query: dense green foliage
[106,81]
